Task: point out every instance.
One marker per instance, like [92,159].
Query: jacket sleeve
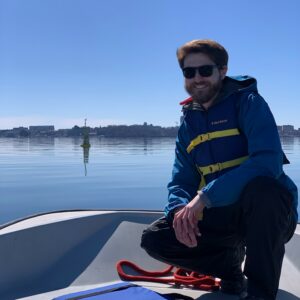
[264,149]
[185,177]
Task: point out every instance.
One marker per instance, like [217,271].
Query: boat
[53,254]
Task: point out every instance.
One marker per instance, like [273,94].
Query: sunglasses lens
[189,72]
[206,71]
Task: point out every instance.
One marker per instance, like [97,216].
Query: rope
[178,277]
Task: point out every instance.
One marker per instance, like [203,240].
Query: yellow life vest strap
[211,135]
[221,166]
[202,182]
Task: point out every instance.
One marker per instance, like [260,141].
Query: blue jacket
[264,149]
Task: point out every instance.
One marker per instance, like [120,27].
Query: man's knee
[261,184]
[152,237]
[266,205]
[148,239]
[262,189]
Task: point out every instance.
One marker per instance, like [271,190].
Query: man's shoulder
[239,85]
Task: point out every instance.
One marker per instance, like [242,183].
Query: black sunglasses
[204,71]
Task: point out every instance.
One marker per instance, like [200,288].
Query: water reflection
[145,145]
[86,153]
[288,140]
[291,147]
[132,146]
[41,141]
[86,147]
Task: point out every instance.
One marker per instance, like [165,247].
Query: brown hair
[212,49]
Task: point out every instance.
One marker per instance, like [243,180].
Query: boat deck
[60,253]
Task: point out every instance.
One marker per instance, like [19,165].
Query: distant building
[279,128]
[286,130]
[41,130]
[62,132]
[20,131]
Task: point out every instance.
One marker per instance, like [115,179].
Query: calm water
[45,174]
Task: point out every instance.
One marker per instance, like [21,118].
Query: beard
[206,95]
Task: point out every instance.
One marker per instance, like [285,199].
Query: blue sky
[114,62]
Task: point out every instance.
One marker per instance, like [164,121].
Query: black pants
[262,220]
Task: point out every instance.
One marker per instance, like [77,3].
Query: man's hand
[185,222]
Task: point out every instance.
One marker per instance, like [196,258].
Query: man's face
[203,89]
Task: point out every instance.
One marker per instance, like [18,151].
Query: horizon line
[134,124]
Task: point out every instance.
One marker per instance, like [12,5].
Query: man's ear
[223,71]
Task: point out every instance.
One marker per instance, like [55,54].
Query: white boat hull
[58,253]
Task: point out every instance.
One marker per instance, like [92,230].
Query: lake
[47,174]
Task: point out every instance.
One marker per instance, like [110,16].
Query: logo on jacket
[218,122]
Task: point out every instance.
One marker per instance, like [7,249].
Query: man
[228,190]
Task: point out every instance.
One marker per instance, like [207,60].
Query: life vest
[216,143]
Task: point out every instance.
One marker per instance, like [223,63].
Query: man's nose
[197,77]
